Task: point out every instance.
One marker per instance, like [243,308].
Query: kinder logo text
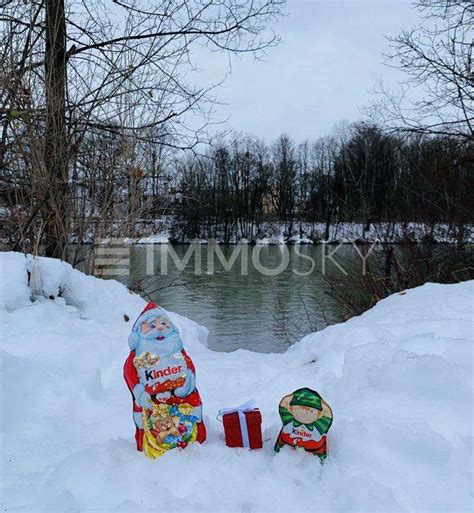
[302,434]
[156,374]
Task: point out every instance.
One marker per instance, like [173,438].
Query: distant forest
[360,174]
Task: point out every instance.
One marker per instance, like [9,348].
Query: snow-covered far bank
[398,378]
[168,230]
[316,233]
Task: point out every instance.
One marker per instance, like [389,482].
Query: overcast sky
[322,72]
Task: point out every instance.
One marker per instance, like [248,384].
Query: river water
[263,310]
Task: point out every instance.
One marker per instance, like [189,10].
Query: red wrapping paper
[233,431]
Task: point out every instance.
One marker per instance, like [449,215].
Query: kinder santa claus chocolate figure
[167,408]
[306,419]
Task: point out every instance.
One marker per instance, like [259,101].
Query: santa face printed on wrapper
[306,419]
[160,374]
[154,332]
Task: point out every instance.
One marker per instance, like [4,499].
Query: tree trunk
[56,212]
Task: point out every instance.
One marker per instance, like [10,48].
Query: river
[257,310]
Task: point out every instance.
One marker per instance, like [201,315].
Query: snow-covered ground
[273,233]
[398,378]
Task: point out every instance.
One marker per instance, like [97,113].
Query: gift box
[243,427]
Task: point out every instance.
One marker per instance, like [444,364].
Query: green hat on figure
[306,397]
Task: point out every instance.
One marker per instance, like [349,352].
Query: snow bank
[168,229]
[399,380]
[158,238]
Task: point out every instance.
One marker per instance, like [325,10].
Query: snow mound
[159,238]
[398,378]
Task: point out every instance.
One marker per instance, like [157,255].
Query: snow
[398,378]
[158,238]
[275,233]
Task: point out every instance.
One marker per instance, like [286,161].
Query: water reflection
[252,311]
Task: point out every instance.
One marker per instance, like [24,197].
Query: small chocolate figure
[306,419]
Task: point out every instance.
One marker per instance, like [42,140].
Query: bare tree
[436,57]
[56,205]
[124,67]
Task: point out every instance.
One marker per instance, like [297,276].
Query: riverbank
[168,231]
[399,380]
